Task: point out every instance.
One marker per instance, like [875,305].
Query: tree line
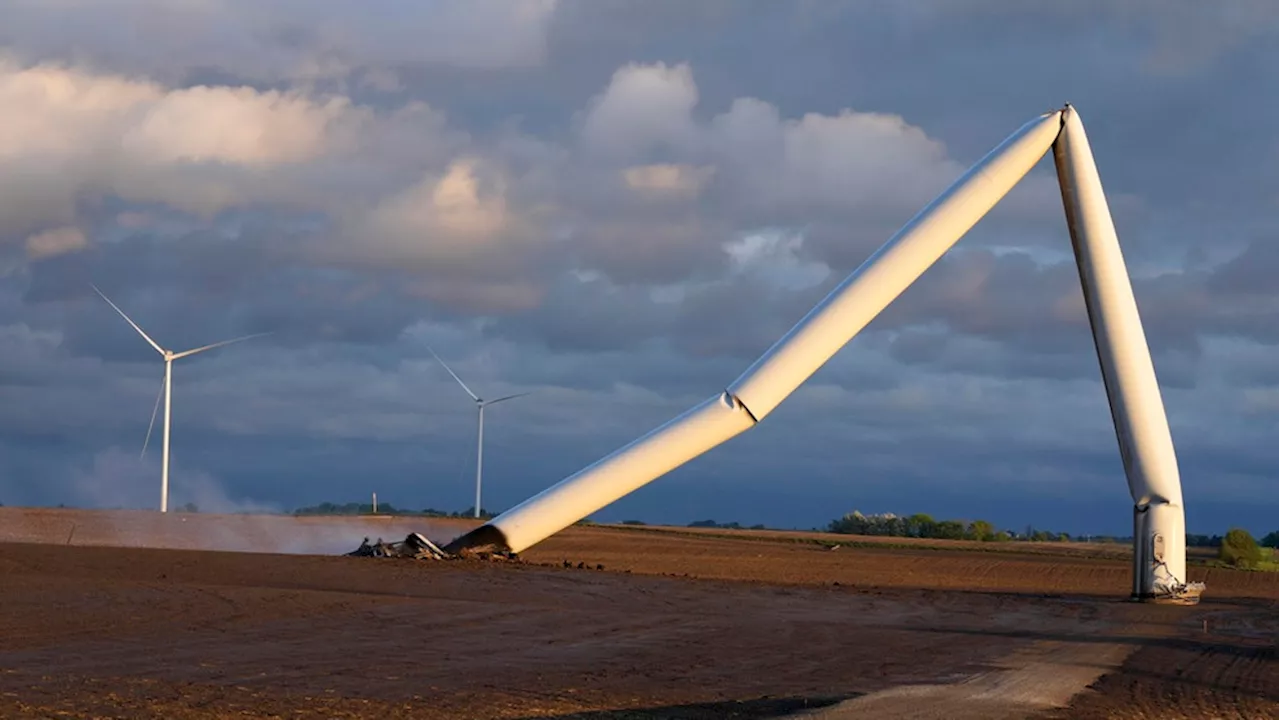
[921,525]
[355,508]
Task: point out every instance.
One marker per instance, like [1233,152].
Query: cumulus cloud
[646,109]
[450,206]
[448,215]
[80,134]
[665,179]
[55,242]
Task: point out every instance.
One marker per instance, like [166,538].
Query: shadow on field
[757,709]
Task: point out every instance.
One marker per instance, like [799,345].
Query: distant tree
[1268,540]
[758,527]
[851,524]
[703,524]
[949,530]
[1239,549]
[189,508]
[354,508]
[981,530]
[855,523]
[919,525]
[632,522]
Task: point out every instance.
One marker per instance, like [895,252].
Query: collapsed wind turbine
[481,404]
[166,388]
[1128,376]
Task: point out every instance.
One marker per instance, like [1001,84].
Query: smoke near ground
[119,479]
[222,532]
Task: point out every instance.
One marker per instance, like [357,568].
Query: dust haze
[126,489]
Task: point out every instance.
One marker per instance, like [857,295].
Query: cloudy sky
[618,206]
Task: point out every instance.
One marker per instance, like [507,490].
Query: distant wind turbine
[169,356]
[480,406]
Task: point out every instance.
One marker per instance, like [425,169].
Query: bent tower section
[1137,410]
[1129,377]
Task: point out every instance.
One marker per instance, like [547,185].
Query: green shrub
[1239,549]
[981,530]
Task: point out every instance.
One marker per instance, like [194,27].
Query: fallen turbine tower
[1141,426]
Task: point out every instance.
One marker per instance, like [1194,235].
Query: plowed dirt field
[138,615]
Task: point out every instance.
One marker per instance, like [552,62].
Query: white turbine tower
[481,404]
[166,388]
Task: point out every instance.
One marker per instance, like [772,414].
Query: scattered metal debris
[416,546]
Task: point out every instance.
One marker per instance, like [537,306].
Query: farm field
[134,614]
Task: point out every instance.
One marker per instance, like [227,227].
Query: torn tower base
[1155,557]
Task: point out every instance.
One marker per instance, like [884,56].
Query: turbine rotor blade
[154,409]
[218,345]
[454,374]
[128,320]
[508,397]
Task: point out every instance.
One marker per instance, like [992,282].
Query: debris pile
[417,547]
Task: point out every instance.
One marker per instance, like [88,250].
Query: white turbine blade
[509,397]
[454,374]
[128,320]
[218,345]
[154,409]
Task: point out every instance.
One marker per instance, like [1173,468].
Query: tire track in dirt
[1045,675]
[1221,664]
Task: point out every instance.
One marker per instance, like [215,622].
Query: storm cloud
[618,206]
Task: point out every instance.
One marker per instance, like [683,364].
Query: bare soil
[96,620]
